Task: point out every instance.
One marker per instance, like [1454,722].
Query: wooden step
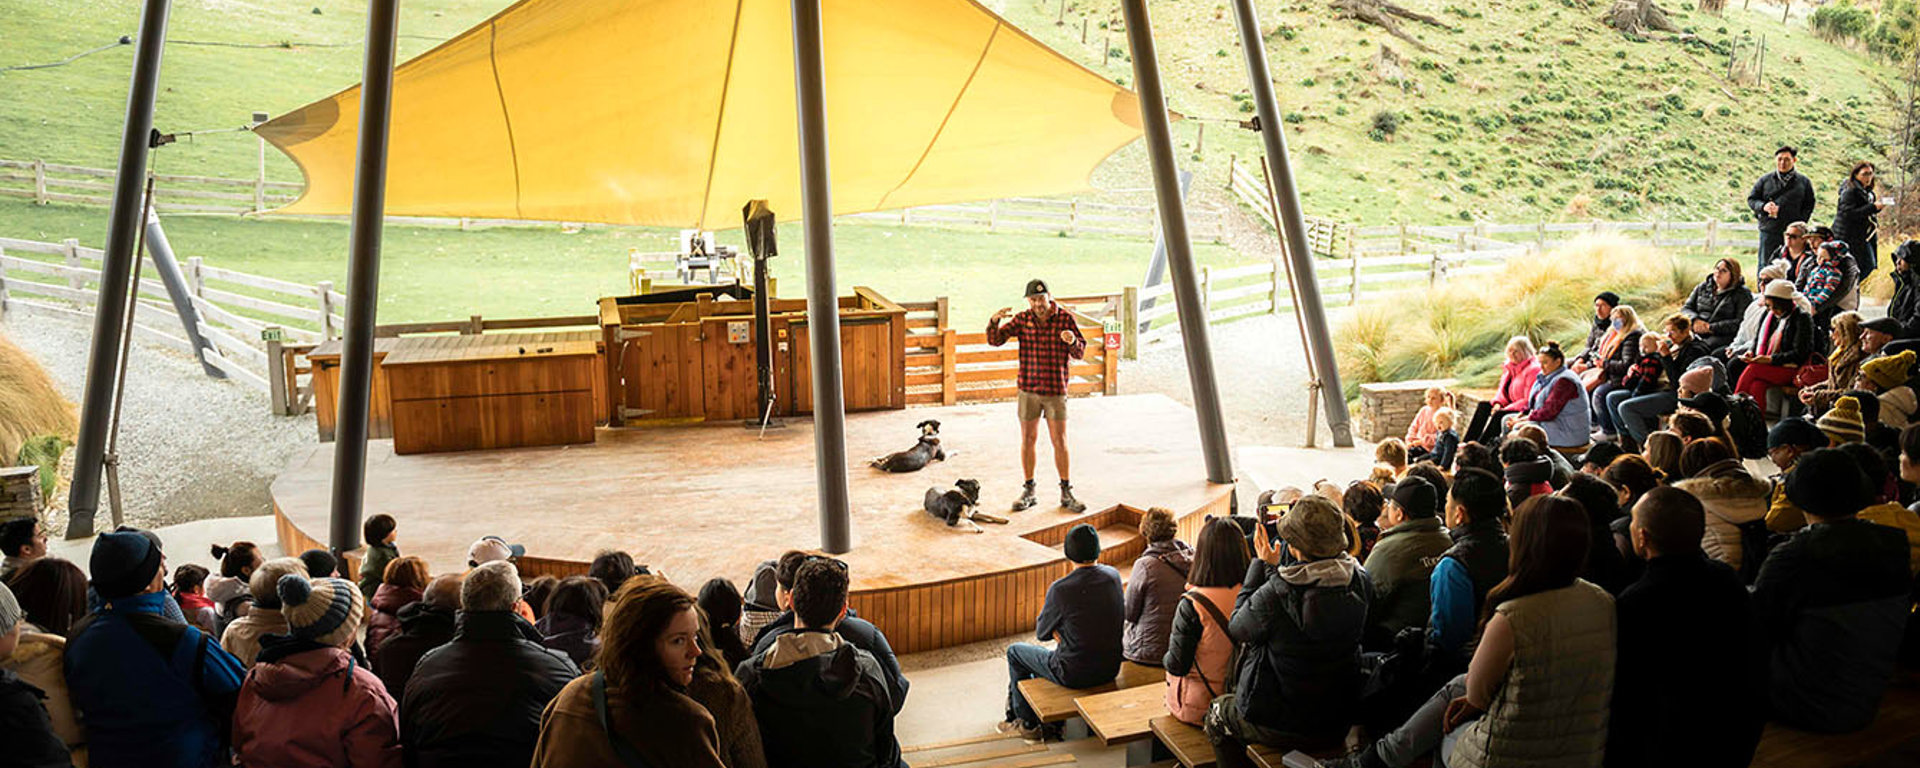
[1125,715]
[1188,743]
[1054,703]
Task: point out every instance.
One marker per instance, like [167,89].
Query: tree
[1712,6]
[1637,17]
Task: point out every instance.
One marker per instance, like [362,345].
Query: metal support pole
[1194,332]
[1157,268]
[1293,225]
[117,272]
[363,278]
[823,306]
[169,270]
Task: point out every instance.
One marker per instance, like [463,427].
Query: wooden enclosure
[464,393]
[325,361]
[674,358]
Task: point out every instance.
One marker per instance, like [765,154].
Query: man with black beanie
[1832,601]
[153,692]
[1086,611]
[1411,542]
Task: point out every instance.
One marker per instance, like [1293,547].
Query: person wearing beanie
[25,726]
[1832,601]
[1300,614]
[243,636]
[1842,423]
[308,704]
[1401,564]
[153,691]
[1085,610]
[320,563]
[1787,441]
[1888,377]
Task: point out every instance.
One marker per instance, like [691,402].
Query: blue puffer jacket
[145,706]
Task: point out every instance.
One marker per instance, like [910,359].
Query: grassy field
[433,273]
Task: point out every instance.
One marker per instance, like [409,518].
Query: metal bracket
[623,335]
[628,413]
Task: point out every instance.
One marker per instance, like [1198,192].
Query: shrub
[1386,122]
[1841,21]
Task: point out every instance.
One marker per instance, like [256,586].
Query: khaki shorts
[1032,406]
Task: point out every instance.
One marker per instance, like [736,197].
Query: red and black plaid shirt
[1043,356]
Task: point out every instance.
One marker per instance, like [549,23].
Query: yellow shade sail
[677,112]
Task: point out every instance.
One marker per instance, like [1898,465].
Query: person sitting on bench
[1086,612]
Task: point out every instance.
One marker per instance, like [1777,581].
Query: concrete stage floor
[715,500]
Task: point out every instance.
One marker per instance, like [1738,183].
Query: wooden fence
[1071,216]
[44,182]
[947,366]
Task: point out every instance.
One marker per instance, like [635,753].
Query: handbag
[629,756]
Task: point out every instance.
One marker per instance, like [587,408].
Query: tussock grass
[1461,330]
[30,406]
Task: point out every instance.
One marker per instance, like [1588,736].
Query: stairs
[993,750]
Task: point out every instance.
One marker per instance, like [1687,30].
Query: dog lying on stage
[959,507]
[924,452]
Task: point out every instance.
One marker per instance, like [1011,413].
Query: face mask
[1616,323]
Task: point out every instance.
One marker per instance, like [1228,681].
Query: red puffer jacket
[315,708]
[384,622]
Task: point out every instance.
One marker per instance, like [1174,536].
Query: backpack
[228,612]
[1747,422]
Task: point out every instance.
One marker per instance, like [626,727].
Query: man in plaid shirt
[1049,340]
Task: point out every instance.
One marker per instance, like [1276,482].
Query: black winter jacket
[1905,306]
[1796,342]
[476,701]
[1300,673]
[1793,192]
[1679,710]
[1832,602]
[1723,310]
[1481,547]
[423,628]
[853,629]
[1616,367]
[1683,357]
[1595,333]
[825,711]
[1854,217]
[25,728]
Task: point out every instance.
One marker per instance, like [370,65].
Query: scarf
[1610,343]
[1769,335]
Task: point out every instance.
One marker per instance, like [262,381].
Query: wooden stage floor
[715,500]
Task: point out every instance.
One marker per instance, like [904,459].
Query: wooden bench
[1125,715]
[1055,703]
[1273,757]
[1188,743]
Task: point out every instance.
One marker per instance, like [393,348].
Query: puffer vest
[1189,695]
[1551,711]
[1482,547]
[1568,429]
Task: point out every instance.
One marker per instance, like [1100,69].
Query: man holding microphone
[1049,341]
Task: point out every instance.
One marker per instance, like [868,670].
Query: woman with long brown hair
[1718,304]
[402,584]
[1543,619]
[716,689]
[1855,217]
[635,707]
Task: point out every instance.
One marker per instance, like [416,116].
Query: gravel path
[191,447]
[1259,368]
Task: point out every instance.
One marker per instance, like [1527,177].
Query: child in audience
[1363,502]
[1663,453]
[1447,441]
[190,591]
[379,531]
[1393,453]
[230,590]
[1644,378]
[1423,432]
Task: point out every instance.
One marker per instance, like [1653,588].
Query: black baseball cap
[1886,325]
[1036,287]
[1710,405]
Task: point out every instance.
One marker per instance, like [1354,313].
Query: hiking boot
[1026,498]
[1033,733]
[1067,501]
[1365,758]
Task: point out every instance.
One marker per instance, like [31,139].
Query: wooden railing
[946,366]
[44,182]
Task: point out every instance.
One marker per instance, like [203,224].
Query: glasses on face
[840,564]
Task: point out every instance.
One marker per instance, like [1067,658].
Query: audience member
[1632,476]
[153,692]
[715,687]
[1733,502]
[22,541]
[1787,441]
[820,700]
[1883,508]
[1468,569]
[1084,611]
[1401,565]
[1749,333]
[1888,378]
[1478,456]
[424,626]
[635,709]
[320,564]
[1782,343]
[536,592]
[379,533]
[1856,210]
[1606,567]
[1392,453]
[53,592]
[400,585]
[612,568]
[760,604]
[244,634]
[1602,325]
[1422,433]
[1842,423]
[1596,460]
[1717,305]
[1153,590]
[1538,687]
[1777,198]
[24,719]
[1880,437]
[1562,468]
[571,621]
[853,629]
[721,604]
[306,702]
[190,591]
[1199,650]
[1909,463]
[1620,350]
[1558,402]
[1528,472]
[231,590]
[1877,333]
[1671,709]
[1819,385]
[1447,442]
[1300,624]
[476,701]
[1363,502]
[1829,286]
[1663,454]
[1517,374]
[1832,601]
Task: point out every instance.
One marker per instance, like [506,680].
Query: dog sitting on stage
[924,452]
[959,507]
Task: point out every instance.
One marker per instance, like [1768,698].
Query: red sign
[1113,340]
